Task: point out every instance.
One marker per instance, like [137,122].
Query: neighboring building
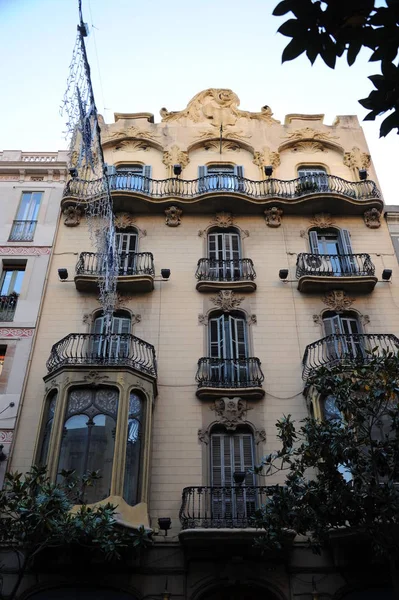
[31,185]
[226,199]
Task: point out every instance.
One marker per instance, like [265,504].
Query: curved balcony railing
[346,350]
[194,188]
[216,507]
[130,263]
[229,373]
[8,305]
[22,231]
[107,350]
[334,265]
[241,269]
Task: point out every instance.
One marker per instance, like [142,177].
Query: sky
[145,55]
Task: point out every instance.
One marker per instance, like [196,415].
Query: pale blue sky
[156,53]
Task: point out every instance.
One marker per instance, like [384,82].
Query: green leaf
[293,49]
[290,28]
[282,8]
[389,123]
[353,51]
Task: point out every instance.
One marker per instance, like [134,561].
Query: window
[229,349]
[345,337]
[126,246]
[11,280]
[47,427]
[132,177]
[3,350]
[232,453]
[24,225]
[117,344]
[133,449]
[334,250]
[221,177]
[313,178]
[89,437]
[224,253]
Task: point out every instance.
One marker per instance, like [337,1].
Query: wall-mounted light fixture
[362,174]
[165,273]
[177,170]
[283,274]
[386,274]
[268,170]
[73,172]
[165,523]
[63,274]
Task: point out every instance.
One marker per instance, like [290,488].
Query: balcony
[115,351]
[214,275]
[328,193]
[135,274]
[22,231]
[8,305]
[347,350]
[325,272]
[219,377]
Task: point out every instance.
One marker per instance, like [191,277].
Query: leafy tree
[331,28]
[35,516]
[342,472]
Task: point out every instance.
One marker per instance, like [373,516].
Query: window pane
[133,450]
[29,207]
[12,281]
[6,283]
[74,445]
[49,418]
[100,456]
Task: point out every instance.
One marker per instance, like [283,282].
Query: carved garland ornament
[273,216]
[173,216]
[266,157]
[231,412]
[308,133]
[338,300]
[227,300]
[175,156]
[356,159]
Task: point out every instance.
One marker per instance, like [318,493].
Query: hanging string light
[87,159]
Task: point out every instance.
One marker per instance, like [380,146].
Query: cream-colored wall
[169,315]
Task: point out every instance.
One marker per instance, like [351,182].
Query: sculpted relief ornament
[322,221]
[72,216]
[273,216]
[337,300]
[175,156]
[217,107]
[356,159]
[231,412]
[372,218]
[308,139]
[172,216]
[227,300]
[266,157]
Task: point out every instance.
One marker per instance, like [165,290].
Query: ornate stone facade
[372,218]
[273,216]
[173,216]
[227,300]
[338,300]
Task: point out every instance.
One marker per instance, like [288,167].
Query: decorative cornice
[16,332]
[25,250]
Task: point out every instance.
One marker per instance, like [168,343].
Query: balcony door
[228,345]
[115,345]
[346,341]
[232,452]
[314,178]
[127,246]
[224,253]
[334,252]
[133,177]
[221,177]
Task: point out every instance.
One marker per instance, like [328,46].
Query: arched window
[224,253]
[344,335]
[334,251]
[115,345]
[133,449]
[89,437]
[47,427]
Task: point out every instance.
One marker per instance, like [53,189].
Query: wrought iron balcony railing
[130,263]
[8,305]
[334,265]
[183,188]
[216,507]
[229,373]
[241,269]
[107,350]
[346,350]
[22,231]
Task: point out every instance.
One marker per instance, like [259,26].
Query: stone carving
[266,157]
[136,319]
[175,156]
[308,133]
[218,107]
[238,135]
[95,378]
[202,320]
[310,147]
[231,412]
[322,221]
[132,145]
[252,320]
[123,220]
[260,436]
[16,332]
[24,250]
[356,159]
[273,216]
[173,216]
[372,218]
[365,319]
[317,319]
[338,300]
[227,300]
[203,436]
[226,146]
[223,220]
[72,216]
[114,131]
[87,319]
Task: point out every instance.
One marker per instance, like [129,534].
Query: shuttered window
[230,453]
[113,347]
[220,176]
[227,337]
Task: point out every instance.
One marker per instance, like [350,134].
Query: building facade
[31,186]
[251,253]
